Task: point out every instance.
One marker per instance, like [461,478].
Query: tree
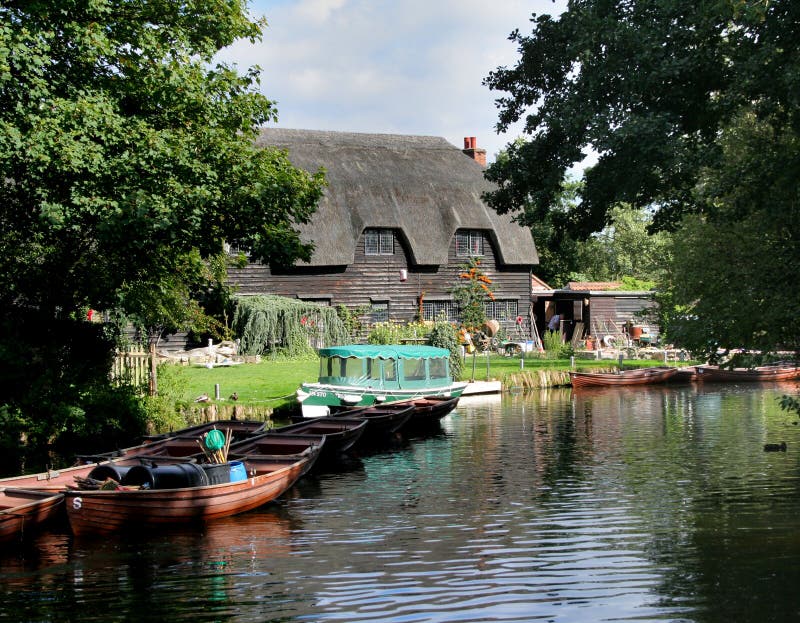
[691,109]
[126,160]
[732,281]
[624,248]
[558,249]
[647,86]
[472,289]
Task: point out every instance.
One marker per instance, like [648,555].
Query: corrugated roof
[421,185]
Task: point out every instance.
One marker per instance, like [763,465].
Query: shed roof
[593,285]
[421,185]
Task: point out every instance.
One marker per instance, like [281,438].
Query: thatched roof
[421,185]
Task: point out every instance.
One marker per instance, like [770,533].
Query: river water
[649,504]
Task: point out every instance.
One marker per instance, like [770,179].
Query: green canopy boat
[363,375]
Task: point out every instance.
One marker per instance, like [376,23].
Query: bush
[280,326]
[553,344]
[162,410]
[394,332]
[444,335]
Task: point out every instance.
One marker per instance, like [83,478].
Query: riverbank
[263,389]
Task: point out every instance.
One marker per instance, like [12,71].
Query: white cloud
[408,66]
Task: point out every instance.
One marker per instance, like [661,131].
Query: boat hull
[319,399]
[749,375]
[642,376]
[23,511]
[382,420]
[103,512]
[341,434]
[427,411]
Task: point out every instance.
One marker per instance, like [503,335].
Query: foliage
[396,332]
[471,291]
[285,327]
[632,284]
[790,403]
[162,410]
[49,372]
[647,86]
[691,110]
[733,265]
[351,319]
[444,335]
[127,158]
[553,342]
[558,250]
[624,250]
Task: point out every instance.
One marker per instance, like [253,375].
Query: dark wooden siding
[610,313]
[376,278]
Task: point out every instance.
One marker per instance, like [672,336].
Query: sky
[389,67]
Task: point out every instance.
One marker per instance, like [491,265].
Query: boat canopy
[389,367]
[381,351]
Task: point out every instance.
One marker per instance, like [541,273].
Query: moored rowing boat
[23,511]
[641,376]
[106,511]
[780,372]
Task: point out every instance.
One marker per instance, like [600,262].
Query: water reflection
[623,504]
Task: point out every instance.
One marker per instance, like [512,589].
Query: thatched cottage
[399,218]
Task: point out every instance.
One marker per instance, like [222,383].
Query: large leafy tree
[126,159]
[646,85]
[732,278]
[692,111]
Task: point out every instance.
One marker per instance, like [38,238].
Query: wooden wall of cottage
[377,279]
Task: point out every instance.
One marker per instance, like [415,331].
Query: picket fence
[132,367]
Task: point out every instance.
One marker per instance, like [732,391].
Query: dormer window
[469,243]
[378,242]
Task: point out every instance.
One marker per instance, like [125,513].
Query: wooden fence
[132,367]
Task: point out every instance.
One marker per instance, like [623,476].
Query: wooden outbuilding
[400,216]
[597,310]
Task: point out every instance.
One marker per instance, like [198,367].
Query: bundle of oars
[92,484]
[215,445]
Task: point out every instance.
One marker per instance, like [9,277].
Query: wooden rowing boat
[59,479]
[382,420]
[105,511]
[427,411]
[277,446]
[340,434]
[640,376]
[23,511]
[779,372]
[239,429]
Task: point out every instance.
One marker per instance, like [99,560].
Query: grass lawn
[268,383]
[272,383]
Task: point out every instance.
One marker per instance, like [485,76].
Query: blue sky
[396,67]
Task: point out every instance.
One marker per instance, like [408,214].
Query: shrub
[444,335]
[553,344]
[285,327]
[394,332]
[162,411]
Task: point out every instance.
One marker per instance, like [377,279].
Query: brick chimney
[471,149]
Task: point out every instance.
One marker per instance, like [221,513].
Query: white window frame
[432,308]
[469,243]
[502,309]
[378,242]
